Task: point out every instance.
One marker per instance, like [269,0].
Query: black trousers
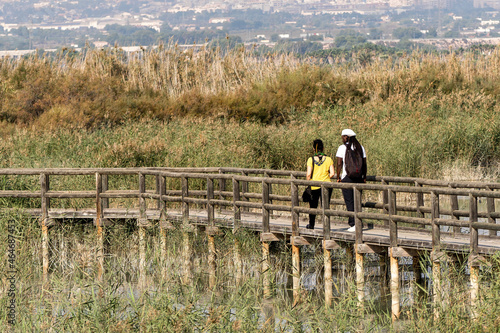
[349,196]
[316,195]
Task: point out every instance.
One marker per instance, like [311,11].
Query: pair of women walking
[350,168]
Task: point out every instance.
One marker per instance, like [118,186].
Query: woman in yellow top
[323,171]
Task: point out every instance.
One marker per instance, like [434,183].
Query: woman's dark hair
[357,146]
[318,146]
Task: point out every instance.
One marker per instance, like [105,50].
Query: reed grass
[73,300]
[417,114]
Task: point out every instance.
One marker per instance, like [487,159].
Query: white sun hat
[348,132]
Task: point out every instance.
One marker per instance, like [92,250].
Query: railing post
[420,201]
[210,205]
[454,208]
[44,188]
[270,190]
[236,198]
[295,249]
[105,187]
[394,262]
[473,262]
[490,208]
[185,204]
[385,198]
[265,211]
[244,190]
[222,188]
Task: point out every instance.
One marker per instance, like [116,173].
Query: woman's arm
[332,171]
[309,172]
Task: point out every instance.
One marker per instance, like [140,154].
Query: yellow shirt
[321,170]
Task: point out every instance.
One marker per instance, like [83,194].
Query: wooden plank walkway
[409,215]
[377,235]
[282,224]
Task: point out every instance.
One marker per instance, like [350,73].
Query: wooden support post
[238,267]
[163,249]
[395,292]
[45,251]
[265,270]
[296,273]
[474,291]
[295,249]
[360,271]
[328,276]
[436,285]
[327,253]
[44,186]
[382,259]
[360,279]
[212,265]
[436,253]
[186,254]
[142,256]
[474,265]
[393,239]
[417,276]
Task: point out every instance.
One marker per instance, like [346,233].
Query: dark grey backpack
[353,163]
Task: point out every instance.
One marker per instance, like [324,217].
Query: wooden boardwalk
[394,216]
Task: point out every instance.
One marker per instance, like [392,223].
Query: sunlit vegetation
[417,114]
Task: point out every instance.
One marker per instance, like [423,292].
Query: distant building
[495,4]
[220,20]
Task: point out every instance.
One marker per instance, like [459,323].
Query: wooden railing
[425,216]
[267,192]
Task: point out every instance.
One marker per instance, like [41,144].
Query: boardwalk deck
[377,235]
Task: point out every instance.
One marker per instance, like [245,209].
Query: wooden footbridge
[394,216]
